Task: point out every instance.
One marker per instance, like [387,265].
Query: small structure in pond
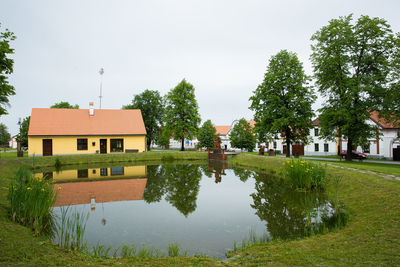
[218,168]
[216,153]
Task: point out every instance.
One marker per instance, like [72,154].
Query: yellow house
[85,131]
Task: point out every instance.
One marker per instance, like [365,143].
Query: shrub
[31,200]
[305,175]
[57,164]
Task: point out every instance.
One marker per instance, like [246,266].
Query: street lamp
[101,71]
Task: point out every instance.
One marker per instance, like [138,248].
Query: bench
[131,150]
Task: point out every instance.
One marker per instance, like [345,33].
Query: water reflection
[288,213]
[230,202]
[95,173]
[92,192]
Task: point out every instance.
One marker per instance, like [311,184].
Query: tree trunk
[183,144]
[349,149]
[148,144]
[287,136]
[287,147]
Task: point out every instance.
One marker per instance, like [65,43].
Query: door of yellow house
[47,147]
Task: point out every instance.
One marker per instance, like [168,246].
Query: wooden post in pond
[217,152]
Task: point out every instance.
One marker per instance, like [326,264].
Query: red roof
[222,130]
[59,121]
[381,121]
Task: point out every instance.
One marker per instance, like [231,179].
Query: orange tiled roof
[102,191]
[381,121]
[222,130]
[58,121]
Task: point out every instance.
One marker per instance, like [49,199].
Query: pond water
[204,207]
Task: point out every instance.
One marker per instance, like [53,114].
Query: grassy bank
[372,237]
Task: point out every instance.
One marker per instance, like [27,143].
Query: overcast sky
[221,47]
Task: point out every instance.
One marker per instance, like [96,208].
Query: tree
[356,68]
[182,112]
[151,105]
[183,185]
[163,137]
[206,135]
[23,134]
[65,105]
[6,67]
[282,102]
[4,135]
[242,136]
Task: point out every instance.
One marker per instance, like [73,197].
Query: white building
[318,146]
[379,147]
[188,144]
[223,133]
[12,143]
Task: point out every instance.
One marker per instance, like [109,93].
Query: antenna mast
[101,71]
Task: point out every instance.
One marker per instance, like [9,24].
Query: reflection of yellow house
[85,131]
[96,173]
[99,191]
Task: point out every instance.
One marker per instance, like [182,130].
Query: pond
[203,207]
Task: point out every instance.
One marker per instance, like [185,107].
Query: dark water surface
[203,207]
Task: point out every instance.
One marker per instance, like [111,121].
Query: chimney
[91,109]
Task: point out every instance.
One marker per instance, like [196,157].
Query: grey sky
[221,47]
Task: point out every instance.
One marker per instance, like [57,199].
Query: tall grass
[30,201]
[70,230]
[304,174]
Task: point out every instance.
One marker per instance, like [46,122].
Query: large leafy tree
[242,136]
[4,135]
[182,116]
[356,68]
[207,133]
[65,104]
[152,107]
[6,68]
[282,102]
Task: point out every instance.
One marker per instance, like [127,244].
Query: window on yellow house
[82,144]
[117,145]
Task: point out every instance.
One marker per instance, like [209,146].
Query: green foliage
[182,186]
[206,135]
[57,163]
[70,231]
[151,105]
[6,67]
[30,201]
[242,136]
[173,249]
[101,251]
[65,104]
[304,174]
[182,116]
[282,102]
[163,137]
[356,68]
[4,135]
[23,135]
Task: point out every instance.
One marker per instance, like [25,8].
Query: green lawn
[393,169]
[372,236]
[11,155]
